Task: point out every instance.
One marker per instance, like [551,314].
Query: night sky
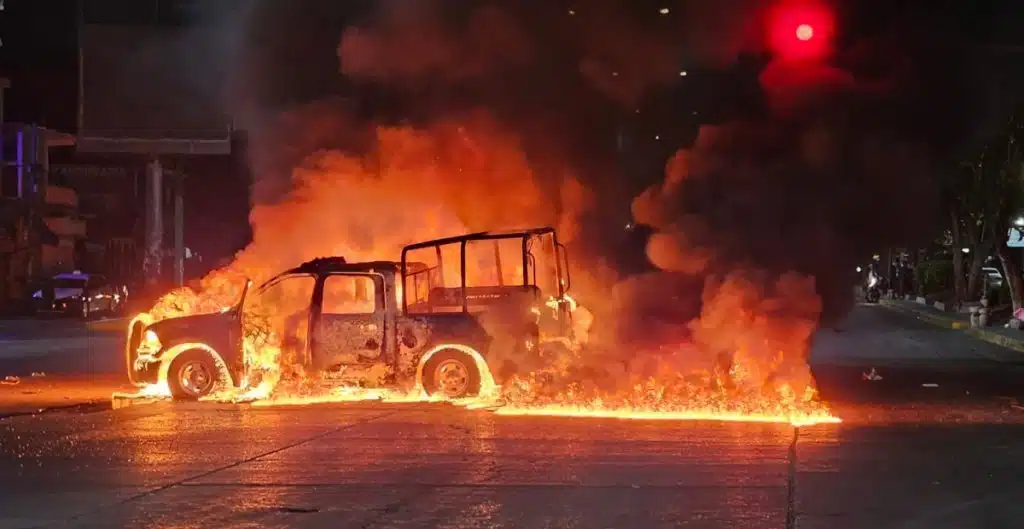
[39,37]
[294,43]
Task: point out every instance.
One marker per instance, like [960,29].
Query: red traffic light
[805,32]
[800,30]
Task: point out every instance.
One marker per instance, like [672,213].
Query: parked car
[78,294]
[993,278]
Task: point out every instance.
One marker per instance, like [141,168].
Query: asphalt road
[361,465]
[912,359]
[929,460]
[58,346]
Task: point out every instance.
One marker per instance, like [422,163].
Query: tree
[984,198]
[1009,204]
[970,219]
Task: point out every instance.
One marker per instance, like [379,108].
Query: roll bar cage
[561,257]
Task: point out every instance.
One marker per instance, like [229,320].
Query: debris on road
[122,400]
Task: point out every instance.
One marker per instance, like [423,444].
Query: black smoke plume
[840,158]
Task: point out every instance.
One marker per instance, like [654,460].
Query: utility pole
[79,28]
[152,264]
[179,229]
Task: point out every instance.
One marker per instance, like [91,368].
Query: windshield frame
[274,281]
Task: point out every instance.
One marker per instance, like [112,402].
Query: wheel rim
[452,378]
[195,378]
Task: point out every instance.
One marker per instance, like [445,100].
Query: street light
[1019,221]
[965,250]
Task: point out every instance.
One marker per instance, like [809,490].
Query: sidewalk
[998,335]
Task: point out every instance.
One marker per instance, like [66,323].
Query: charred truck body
[450,315]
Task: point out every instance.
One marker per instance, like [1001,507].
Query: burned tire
[452,374]
[192,375]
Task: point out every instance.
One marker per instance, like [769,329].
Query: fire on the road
[785,409]
[668,397]
[742,359]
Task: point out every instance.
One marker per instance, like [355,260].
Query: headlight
[150,343]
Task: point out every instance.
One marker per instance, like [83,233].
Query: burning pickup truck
[449,316]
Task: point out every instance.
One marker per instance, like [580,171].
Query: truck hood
[197,326]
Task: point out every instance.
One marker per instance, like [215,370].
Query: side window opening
[349,294]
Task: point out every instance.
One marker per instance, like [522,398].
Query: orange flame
[743,360]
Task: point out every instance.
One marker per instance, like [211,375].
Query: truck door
[350,328]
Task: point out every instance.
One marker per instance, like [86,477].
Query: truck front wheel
[192,375]
[452,374]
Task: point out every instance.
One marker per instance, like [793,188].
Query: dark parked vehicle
[80,295]
[449,315]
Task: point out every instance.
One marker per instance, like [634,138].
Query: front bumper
[58,306]
[143,370]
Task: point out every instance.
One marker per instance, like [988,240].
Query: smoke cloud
[513,117]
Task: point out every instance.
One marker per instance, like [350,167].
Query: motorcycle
[873,292]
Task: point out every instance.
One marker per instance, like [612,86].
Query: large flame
[741,360]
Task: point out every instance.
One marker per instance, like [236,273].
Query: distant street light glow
[664,11]
[683,73]
[965,250]
[1019,221]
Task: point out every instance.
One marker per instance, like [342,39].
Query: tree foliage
[982,199]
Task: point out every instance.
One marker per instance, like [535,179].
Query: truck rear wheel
[452,374]
[192,375]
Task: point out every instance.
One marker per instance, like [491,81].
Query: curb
[87,407]
[948,323]
[109,324]
[939,321]
[997,339]
[121,401]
